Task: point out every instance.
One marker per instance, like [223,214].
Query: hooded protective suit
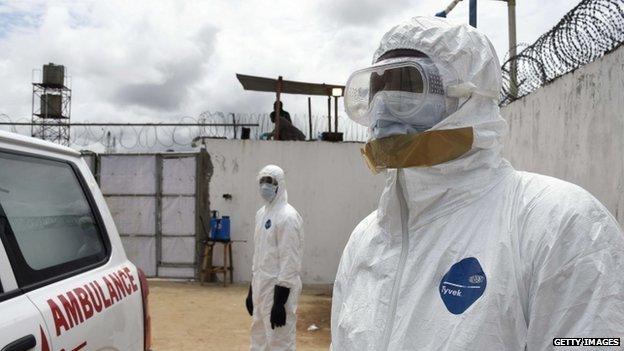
[278,250]
[471,254]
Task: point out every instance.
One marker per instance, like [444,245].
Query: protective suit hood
[467,50]
[472,56]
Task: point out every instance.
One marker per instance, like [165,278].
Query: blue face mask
[268,191]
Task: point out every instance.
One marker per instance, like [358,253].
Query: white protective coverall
[471,254]
[278,250]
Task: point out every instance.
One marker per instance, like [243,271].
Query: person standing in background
[276,282]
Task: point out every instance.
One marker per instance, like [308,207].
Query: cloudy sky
[139,61]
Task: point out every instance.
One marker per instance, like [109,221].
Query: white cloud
[159,60]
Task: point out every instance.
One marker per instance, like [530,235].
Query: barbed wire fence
[589,31]
[351,130]
[154,137]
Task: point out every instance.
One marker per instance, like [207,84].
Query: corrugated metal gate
[156,201]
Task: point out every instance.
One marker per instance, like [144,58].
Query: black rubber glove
[278,312]
[249,302]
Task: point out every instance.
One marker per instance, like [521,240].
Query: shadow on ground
[188,316]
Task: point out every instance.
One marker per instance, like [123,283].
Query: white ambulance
[65,281]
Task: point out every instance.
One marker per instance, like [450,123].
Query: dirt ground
[188,316]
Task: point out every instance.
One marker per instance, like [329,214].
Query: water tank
[53,75]
[51,106]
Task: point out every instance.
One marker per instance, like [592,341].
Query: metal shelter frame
[280,86]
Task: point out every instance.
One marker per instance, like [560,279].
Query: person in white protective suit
[276,283]
[464,252]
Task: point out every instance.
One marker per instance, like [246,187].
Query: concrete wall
[573,129]
[328,183]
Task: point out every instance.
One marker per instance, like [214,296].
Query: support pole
[310,116]
[336,114]
[448,9]
[277,109]
[473,13]
[329,114]
[234,123]
[32,119]
[159,207]
[513,67]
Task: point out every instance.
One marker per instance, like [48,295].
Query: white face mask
[402,103]
[404,113]
[268,191]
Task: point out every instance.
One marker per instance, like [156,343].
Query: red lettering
[131,277]
[111,291]
[72,309]
[124,279]
[121,290]
[107,302]
[97,303]
[59,318]
[44,340]
[87,306]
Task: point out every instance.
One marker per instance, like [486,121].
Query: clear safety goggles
[404,87]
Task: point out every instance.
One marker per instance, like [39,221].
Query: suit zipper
[404,249]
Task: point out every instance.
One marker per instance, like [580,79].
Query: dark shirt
[287,131]
[283,113]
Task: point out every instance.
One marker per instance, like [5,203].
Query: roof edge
[22,140]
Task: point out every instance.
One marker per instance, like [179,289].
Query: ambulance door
[21,325]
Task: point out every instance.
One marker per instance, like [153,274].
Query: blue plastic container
[214,225]
[219,227]
[224,229]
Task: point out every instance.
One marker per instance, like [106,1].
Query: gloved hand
[278,312]
[249,302]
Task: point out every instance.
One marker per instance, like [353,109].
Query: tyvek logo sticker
[267,224]
[462,285]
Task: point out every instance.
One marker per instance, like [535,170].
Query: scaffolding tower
[51,106]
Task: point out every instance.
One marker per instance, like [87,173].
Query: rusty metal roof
[288,86]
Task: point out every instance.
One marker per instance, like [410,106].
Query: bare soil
[188,316]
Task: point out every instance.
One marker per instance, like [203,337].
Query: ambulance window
[46,219]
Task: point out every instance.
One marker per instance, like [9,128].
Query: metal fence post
[473,13]
[513,74]
[158,214]
[204,170]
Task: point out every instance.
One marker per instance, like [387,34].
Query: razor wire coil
[154,137]
[589,31]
